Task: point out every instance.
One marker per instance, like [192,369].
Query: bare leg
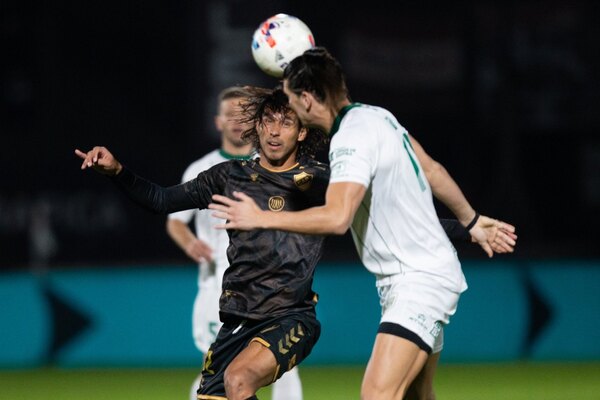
[422,386]
[252,369]
[394,363]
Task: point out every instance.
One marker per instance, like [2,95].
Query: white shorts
[205,317]
[417,304]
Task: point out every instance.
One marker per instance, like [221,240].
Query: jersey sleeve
[353,155]
[190,173]
[151,196]
[209,182]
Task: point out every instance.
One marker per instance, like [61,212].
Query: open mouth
[274,145]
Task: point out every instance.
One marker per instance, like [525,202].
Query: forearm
[445,189]
[333,218]
[180,233]
[317,221]
[152,196]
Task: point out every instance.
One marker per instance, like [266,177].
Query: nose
[275,128]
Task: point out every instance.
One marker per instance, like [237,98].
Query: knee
[236,383]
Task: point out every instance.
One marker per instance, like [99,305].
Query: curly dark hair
[275,100]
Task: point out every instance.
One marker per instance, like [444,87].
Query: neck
[325,114]
[336,116]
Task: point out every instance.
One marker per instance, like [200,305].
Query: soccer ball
[278,40]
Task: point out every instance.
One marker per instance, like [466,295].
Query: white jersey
[396,229]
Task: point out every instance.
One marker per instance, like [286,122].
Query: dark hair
[318,72]
[275,100]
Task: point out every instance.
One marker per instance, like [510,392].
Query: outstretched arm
[492,235]
[145,193]
[443,187]
[334,218]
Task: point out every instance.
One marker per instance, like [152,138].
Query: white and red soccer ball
[278,40]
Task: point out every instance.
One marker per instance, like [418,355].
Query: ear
[218,123]
[302,134]
[307,99]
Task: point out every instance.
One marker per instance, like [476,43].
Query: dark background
[504,94]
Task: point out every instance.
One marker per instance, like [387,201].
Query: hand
[493,236]
[199,250]
[243,214]
[101,160]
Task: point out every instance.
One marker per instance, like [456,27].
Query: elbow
[170,226]
[434,170]
[339,226]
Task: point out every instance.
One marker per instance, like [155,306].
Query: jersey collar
[338,119]
[229,156]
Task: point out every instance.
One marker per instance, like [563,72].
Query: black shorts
[290,338]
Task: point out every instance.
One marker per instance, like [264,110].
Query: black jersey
[271,271]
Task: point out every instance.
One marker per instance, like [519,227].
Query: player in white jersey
[208,246]
[381,187]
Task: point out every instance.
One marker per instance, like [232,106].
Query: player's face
[279,135]
[227,122]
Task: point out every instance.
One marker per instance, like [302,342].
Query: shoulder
[362,123]
[314,168]
[202,164]
[312,163]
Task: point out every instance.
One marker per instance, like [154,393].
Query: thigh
[256,364]
[422,386]
[221,353]
[394,363]
[268,347]
[290,340]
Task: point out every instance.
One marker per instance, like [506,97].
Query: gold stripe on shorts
[261,341]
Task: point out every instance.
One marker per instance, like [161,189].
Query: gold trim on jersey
[208,397]
[276,203]
[208,363]
[281,170]
[303,180]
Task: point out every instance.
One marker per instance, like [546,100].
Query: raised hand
[100,160]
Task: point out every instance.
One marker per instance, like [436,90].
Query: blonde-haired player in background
[208,246]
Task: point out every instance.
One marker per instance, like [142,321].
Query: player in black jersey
[267,304]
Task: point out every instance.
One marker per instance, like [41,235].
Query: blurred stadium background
[94,293]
